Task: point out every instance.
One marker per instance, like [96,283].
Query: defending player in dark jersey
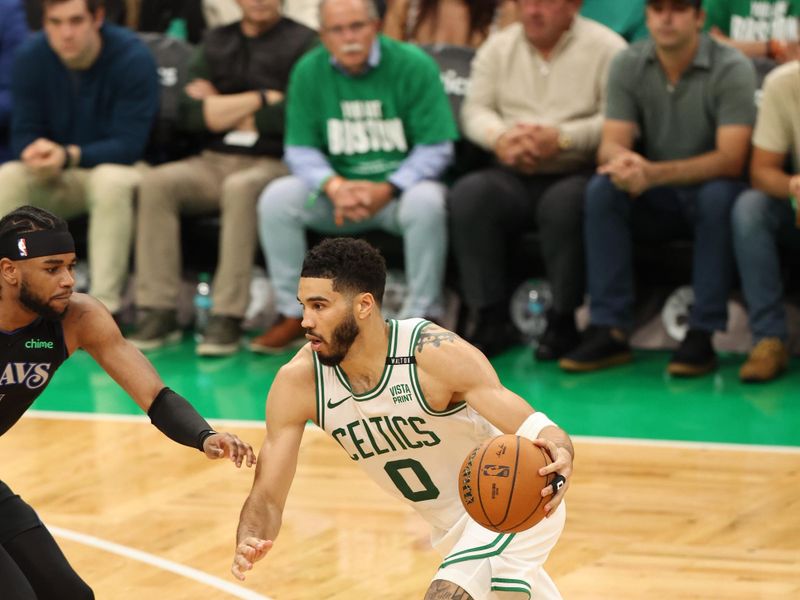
[42,322]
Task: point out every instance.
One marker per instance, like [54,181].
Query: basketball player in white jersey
[407,400]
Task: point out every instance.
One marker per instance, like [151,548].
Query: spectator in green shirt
[765,30]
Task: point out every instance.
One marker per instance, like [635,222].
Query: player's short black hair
[30,218]
[354,266]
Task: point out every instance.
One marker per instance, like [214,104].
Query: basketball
[500,485]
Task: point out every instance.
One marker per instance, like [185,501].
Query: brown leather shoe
[285,335]
[767,360]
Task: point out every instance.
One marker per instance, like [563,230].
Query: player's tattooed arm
[446,590]
[434,336]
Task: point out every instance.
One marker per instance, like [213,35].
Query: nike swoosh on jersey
[332,404]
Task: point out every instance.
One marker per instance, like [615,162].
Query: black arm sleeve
[178,420]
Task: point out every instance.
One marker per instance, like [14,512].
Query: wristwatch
[564,141]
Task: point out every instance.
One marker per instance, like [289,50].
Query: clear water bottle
[202,304]
[529,305]
[676,310]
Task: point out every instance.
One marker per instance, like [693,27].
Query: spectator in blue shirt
[85,95]
[12,33]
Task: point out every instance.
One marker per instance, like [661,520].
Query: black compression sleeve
[178,420]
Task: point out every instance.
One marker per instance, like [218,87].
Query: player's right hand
[247,553]
[224,444]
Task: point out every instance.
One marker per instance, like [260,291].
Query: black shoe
[599,349]
[157,327]
[222,336]
[494,333]
[695,356]
[560,337]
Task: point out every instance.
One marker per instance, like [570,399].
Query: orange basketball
[500,485]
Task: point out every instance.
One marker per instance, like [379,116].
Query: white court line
[160,563]
[252,424]
[79,416]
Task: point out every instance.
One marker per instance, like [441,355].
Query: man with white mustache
[369,131]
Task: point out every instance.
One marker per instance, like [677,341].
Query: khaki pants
[106,193]
[201,184]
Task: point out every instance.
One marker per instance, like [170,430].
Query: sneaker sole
[574,366]
[270,350]
[169,339]
[686,370]
[209,349]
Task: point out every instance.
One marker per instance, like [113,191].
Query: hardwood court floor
[646,520]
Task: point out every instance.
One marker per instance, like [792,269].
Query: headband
[33,244]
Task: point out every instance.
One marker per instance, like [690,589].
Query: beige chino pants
[106,192]
[209,182]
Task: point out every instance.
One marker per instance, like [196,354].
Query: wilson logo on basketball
[501,450]
[496,470]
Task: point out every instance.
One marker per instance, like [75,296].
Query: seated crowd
[597,135]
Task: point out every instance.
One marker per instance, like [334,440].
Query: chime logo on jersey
[31,375]
[23,247]
[363,129]
[36,344]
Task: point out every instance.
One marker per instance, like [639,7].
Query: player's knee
[424,202]
[13,185]
[280,197]
[112,186]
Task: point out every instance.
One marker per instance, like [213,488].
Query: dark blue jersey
[29,357]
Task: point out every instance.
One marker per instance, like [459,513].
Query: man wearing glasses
[369,131]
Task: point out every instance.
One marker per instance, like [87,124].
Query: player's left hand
[561,465]
[222,445]
[250,551]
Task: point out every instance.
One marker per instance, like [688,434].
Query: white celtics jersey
[409,449]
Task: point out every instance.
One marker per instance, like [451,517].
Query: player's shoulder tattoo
[433,335]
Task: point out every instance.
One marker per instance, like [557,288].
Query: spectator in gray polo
[675,141]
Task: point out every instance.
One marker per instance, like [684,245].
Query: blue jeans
[613,221]
[760,225]
[418,216]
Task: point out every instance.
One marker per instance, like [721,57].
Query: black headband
[33,244]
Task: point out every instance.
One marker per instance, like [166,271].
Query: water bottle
[202,304]
[529,305]
[675,313]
